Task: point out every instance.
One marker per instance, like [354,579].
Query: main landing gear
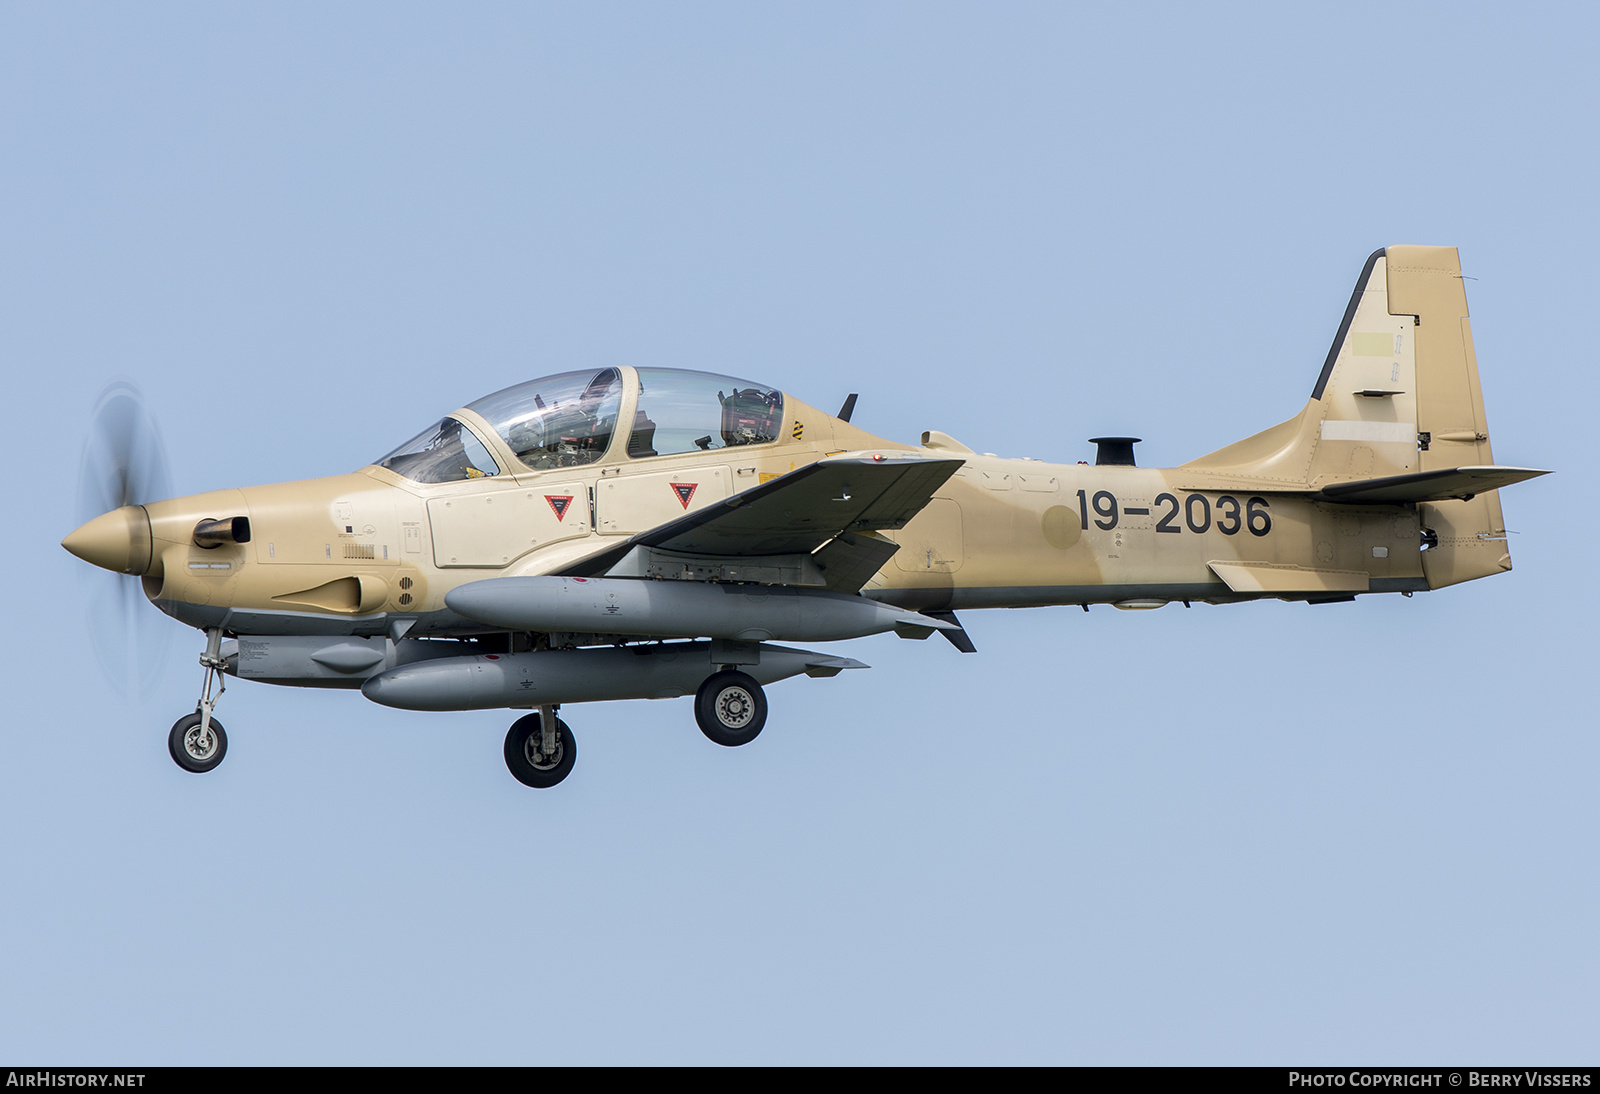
[540,749]
[730,708]
[197,741]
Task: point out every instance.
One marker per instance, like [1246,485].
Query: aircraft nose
[118,541]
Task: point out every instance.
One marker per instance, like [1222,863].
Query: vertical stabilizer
[1398,394]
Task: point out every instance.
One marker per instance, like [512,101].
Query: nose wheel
[195,745]
[731,708]
[540,750]
[197,742]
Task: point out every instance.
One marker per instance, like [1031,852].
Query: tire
[731,708]
[184,745]
[522,753]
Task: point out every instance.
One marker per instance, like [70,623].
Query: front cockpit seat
[641,441]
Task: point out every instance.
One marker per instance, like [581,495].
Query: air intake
[1114,451]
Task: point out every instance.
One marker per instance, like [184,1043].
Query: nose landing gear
[195,746]
[197,741]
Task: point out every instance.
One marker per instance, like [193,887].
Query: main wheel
[194,752]
[524,761]
[731,708]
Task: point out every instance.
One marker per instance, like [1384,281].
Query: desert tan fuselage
[349,553]
[1398,396]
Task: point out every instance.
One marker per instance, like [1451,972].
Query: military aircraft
[646,533]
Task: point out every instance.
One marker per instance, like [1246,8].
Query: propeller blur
[124,464]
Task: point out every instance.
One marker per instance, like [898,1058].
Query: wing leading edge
[838,502]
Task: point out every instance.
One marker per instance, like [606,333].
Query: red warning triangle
[685,491]
[559,503]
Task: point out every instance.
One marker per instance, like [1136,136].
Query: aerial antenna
[848,409]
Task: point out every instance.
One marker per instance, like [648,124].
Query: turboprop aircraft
[646,533]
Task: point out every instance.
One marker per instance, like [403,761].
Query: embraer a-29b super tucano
[646,533]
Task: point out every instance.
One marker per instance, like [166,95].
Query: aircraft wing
[841,500]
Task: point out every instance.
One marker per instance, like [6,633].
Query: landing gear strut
[540,749]
[197,741]
[731,708]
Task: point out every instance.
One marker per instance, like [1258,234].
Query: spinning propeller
[124,463]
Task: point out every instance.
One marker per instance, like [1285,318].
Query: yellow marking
[1372,345]
[768,476]
[798,430]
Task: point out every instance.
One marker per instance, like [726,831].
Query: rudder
[1452,429]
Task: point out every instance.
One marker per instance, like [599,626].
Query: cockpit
[680,411]
[572,419]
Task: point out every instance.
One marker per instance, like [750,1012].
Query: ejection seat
[642,440]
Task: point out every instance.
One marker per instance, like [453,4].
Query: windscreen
[445,452]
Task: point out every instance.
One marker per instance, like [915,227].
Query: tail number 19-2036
[1195,513]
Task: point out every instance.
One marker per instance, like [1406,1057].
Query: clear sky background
[1268,833]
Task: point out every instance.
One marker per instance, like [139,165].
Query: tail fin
[1397,395]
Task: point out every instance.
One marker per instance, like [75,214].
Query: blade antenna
[848,409]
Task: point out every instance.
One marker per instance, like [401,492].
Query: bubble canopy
[682,411]
[565,420]
[570,419]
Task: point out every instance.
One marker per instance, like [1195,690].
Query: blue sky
[1266,833]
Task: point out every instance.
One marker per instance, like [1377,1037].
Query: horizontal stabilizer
[1263,577]
[1440,485]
